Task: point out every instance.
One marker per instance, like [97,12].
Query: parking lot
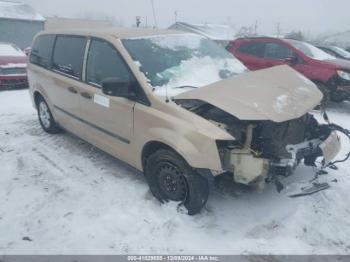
[61,195]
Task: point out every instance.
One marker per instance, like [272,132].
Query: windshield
[341,51]
[174,64]
[311,51]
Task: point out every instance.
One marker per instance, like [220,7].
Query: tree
[246,31]
[296,35]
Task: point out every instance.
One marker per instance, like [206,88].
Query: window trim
[82,79]
[53,53]
[49,67]
[245,43]
[279,44]
[145,101]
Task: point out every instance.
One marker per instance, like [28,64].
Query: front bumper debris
[310,189]
[330,148]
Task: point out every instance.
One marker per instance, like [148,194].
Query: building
[19,23]
[53,23]
[212,31]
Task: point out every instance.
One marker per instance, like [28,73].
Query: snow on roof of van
[19,11]
[122,33]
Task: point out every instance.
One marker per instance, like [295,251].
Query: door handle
[72,90]
[86,95]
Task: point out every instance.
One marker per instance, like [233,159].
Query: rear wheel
[46,119]
[170,178]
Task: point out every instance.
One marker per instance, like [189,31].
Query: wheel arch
[36,96]
[153,146]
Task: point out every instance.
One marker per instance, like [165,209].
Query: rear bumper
[13,81]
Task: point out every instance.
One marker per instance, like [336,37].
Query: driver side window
[105,62]
[277,51]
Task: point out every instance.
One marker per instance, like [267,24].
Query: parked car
[331,75]
[13,67]
[177,107]
[335,51]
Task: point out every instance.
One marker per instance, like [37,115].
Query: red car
[13,67]
[331,75]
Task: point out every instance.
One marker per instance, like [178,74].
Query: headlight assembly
[343,75]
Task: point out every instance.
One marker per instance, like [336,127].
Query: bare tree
[246,31]
[296,35]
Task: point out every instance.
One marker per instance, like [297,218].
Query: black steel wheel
[170,178]
[171,182]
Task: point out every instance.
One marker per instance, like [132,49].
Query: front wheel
[170,178]
[46,119]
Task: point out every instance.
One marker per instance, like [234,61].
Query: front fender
[199,151]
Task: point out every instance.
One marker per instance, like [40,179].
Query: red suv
[13,67]
[331,75]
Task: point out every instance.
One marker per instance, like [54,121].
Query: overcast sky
[313,16]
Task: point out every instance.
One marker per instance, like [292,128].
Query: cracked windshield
[180,63]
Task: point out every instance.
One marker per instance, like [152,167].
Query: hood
[338,64]
[278,94]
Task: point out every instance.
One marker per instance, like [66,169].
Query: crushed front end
[266,149]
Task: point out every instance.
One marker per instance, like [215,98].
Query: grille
[13,71]
[9,84]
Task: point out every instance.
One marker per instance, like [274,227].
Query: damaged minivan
[177,107]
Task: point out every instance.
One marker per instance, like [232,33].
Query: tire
[170,178]
[46,119]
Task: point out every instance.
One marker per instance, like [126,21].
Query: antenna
[154,14]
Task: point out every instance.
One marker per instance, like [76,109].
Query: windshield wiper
[181,87]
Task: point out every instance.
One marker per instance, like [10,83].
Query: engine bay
[265,149]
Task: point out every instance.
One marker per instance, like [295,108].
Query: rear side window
[277,51]
[42,51]
[68,55]
[105,62]
[252,48]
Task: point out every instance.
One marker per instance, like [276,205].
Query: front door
[252,55]
[108,120]
[276,54]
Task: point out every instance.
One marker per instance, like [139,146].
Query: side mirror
[116,87]
[291,60]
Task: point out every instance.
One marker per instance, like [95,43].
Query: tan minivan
[177,107]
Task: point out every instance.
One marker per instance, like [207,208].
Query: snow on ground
[70,198]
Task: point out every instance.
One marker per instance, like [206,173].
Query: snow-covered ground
[63,196]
